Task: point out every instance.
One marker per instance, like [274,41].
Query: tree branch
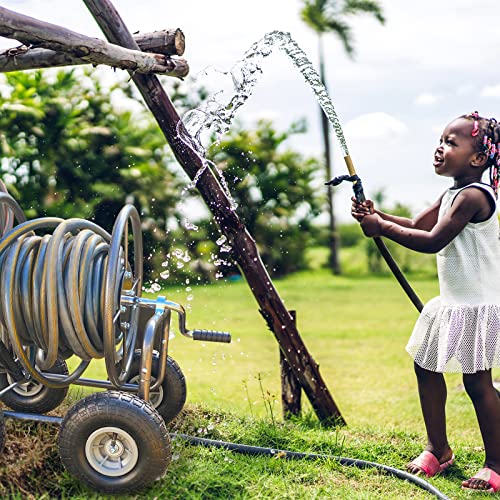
[35,33]
[167,42]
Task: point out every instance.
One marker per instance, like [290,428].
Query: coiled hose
[60,292]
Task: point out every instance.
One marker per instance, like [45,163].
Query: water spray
[218,116]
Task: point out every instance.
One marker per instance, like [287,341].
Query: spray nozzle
[357,187]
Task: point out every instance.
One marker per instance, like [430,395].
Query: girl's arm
[426,220]
[469,204]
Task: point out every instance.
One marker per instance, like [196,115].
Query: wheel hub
[111,451]
[28,389]
[114,448]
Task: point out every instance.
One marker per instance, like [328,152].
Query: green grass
[356,329]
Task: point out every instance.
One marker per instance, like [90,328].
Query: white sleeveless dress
[459,331]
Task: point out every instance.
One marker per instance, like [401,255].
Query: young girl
[459,331]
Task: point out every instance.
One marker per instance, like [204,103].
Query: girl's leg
[432,392]
[479,387]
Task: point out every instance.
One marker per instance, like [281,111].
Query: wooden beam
[244,249]
[33,32]
[166,42]
[291,391]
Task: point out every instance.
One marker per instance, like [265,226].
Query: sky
[431,62]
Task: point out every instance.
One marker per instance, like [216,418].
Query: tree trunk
[244,249]
[33,32]
[166,42]
[333,239]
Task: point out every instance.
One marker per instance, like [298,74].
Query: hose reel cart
[70,289]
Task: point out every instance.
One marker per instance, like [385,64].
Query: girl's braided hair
[486,134]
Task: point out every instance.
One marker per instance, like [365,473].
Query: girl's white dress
[459,331]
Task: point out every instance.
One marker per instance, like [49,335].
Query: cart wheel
[170,397]
[114,442]
[2,431]
[34,397]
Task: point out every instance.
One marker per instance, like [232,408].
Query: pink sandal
[429,464]
[488,475]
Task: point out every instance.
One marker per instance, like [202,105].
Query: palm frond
[343,31]
[368,6]
[313,14]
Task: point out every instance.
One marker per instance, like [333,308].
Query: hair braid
[486,133]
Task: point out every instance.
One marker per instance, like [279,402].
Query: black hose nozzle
[357,186]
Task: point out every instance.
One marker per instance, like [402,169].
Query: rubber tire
[129,413]
[2,431]
[46,400]
[173,386]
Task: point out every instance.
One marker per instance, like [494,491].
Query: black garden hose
[294,455]
[359,194]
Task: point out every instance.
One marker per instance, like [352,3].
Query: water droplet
[190,226]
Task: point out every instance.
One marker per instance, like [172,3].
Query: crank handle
[211,336]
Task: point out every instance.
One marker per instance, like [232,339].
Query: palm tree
[330,16]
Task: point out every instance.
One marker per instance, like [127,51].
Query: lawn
[356,329]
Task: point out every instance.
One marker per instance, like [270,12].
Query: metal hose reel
[68,288]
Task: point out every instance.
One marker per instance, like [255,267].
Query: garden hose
[384,251]
[72,291]
[293,455]
[60,293]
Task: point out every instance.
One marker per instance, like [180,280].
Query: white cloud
[375,126]
[426,99]
[491,91]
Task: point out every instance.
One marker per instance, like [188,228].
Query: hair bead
[475,129]
[489,145]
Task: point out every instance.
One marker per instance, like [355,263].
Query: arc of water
[245,75]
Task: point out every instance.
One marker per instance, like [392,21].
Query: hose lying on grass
[294,455]
[257,450]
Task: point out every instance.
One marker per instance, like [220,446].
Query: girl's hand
[370,224]
[359,210]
